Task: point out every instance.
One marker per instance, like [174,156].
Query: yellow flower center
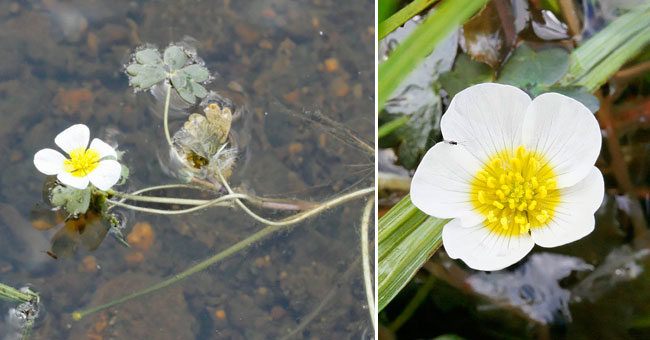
[82,162]
[515,192]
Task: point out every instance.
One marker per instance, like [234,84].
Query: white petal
[566,133]
[471,219]
[482,249]
[49,162]
[441,183]
[102,148]
[573,218]
[73,181]
[76,136]
[106,174]
[486,119]
[563,229]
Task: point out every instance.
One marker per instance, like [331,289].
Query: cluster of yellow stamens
[82,162]
[515,192]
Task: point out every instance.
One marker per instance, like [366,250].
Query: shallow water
[277,60]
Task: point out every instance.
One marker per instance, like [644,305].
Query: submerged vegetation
[201,154]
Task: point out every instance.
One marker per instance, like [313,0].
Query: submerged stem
[232,250]
[367,276]
[166,116]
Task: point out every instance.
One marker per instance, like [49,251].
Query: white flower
[95,163]
[515,172]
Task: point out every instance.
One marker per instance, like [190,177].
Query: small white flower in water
[524,174]
[95,163]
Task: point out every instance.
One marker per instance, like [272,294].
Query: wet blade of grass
[389,127]
[447,16]
[592,63]
[407,238]
[403,15]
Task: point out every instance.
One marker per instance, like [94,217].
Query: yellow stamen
[82,162]
[515,187]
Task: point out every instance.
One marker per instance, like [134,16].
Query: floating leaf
[148,56]
[197,72]
[179,80]
[175,57]
[186,93]
[466,73]
[146,76]
[527,68]
[76,201]
[199,90]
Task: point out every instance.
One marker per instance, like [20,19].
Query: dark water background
[62,64]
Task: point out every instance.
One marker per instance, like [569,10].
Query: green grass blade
[403,15]
[389,127]
[447,16]
[603,54]
[407,238]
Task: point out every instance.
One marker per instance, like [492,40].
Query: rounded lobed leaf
[179,80]
[148,56]
[148,77]
[197,72]
[198,90]
[175,57]
[187,94]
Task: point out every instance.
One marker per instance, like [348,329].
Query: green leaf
[135,69]
[198,90]
[175,57]
[407,238]
[623,37]
[148,56]
[403,15]
[528,69]
[466,73]
[179,80]
[148,77]
[187,94]
[197,72]
[578,93]
[446,18]
[76,201]
[413,138]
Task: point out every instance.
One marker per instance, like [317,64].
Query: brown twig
[619,166]
[571,16]
[632,71]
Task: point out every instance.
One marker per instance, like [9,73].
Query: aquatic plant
[202,156]
[95,163]
[519,172]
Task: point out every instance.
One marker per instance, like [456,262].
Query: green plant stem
[365,259]
[297,217]
[164,200]
[166,116]
[447,16]
[391,126]
[257,201]
[12,294]
[403,15]
[78,315]
[221,201]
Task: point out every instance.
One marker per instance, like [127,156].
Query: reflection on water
[275,59]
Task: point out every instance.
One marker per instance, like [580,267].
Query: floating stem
[367,275]
[78,315]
